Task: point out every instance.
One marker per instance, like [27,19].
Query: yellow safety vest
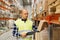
[24,26]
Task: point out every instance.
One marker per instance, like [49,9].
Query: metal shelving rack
[54,26]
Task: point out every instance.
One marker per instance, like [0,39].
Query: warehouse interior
[39,11]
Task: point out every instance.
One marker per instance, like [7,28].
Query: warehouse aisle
[7,36]
[43,14]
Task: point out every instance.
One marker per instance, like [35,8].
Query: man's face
[24,14]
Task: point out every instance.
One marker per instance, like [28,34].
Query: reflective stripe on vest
[24,25]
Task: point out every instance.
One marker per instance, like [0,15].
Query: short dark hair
[20,11]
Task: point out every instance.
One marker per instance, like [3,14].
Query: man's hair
[20,11]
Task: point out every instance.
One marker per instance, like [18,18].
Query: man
[24,25]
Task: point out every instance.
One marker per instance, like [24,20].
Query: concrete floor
[7,36]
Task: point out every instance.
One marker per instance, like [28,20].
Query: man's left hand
[23,35]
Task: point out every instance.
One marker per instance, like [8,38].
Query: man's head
[24,13]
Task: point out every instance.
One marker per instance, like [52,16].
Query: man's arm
[34,30]
[15,31]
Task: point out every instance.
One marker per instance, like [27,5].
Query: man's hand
[23,35]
